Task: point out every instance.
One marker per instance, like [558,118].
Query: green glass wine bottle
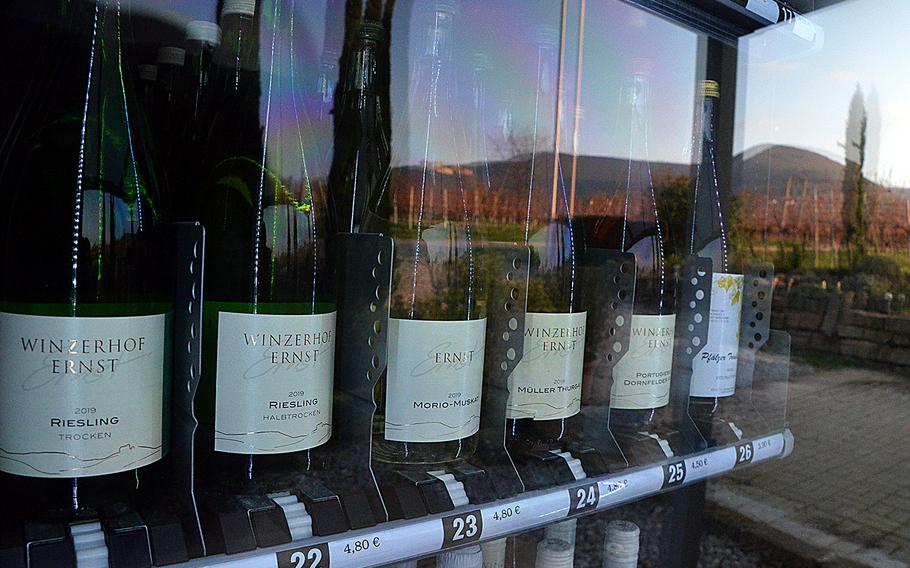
[85,290]
[265,395]
[428,400]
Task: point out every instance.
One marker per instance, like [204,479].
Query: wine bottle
[494,553]
[202,38]
[195,113]
[148,77]
[265,394]
[714,370]
[85,303]
[621,545]
[478,136]
[545,388]
[167,120]
[364,152]
[554,553]
[641,378]
[428,400]
[467,557]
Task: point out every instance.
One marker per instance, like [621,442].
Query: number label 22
[315,556]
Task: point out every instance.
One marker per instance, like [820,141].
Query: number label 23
[461,529]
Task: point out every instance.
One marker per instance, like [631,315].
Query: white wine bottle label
[714,368]
[641,379]
[81,396]
[434,379]
[273,386]
[546,383]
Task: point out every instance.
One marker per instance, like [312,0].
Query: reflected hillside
[782,194]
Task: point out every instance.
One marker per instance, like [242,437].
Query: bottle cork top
[710,88]
[468,557]
[171,56]
[148,72]
[203,31]
[242,7]
[555,553]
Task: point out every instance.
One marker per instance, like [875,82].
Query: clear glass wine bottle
[714,370]
[545,388]
[428,400]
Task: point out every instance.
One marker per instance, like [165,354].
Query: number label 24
[583,498]
[315,556]
[461,529]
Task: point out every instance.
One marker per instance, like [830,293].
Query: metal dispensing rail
[404,539]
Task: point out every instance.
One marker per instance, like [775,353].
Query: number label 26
[744,454]
[461,529]
[315,556]
[583,498]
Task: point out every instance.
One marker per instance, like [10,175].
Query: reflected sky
[616,33]
[794,93]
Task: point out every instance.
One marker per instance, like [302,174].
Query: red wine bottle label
[546,384]
[80,396]
[714,368]
[641,379]
[273,386]
[435,378]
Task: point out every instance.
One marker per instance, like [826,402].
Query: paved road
[846,488]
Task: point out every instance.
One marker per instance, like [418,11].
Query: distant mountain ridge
[758,168]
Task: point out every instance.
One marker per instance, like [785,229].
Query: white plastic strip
[454,488]
[575,466]
[767,9]
[91,549]
[392,542]
[299,521]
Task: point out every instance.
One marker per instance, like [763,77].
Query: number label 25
[674,474]
[461,529]
[583,498]
[315,556]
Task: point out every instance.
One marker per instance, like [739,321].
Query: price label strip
[767,447]
[312,556]
[630,486]
[391,544]
[502,519]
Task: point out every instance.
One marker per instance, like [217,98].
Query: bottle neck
[239,50]
[708,236]
[362,82]
[638,94]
